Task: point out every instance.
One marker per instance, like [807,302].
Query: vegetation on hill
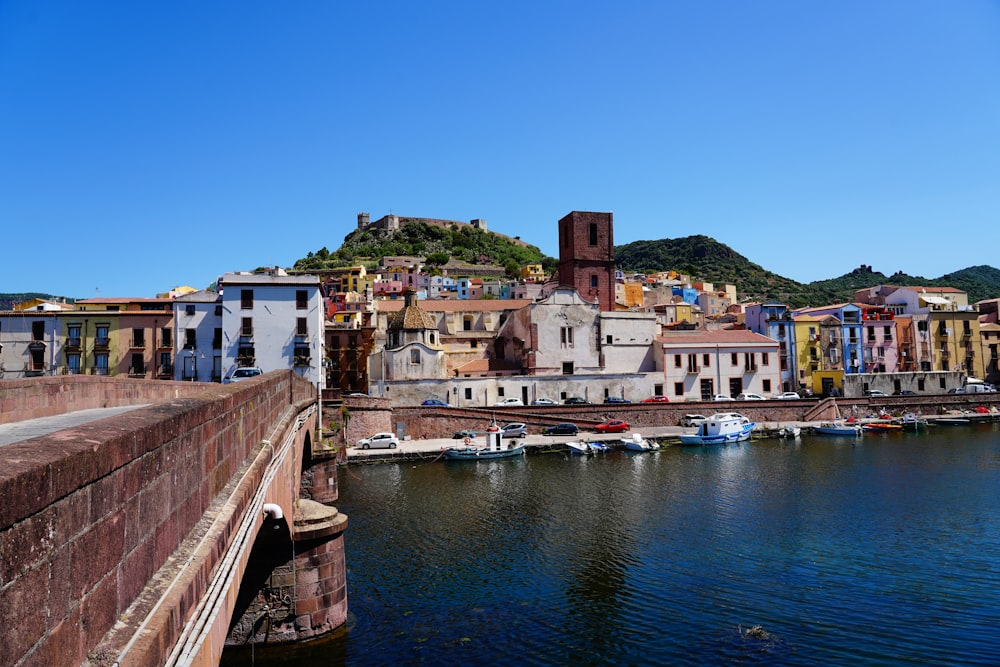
[704,258]
[461,242]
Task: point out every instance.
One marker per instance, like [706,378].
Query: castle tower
[363,219]
[587,256]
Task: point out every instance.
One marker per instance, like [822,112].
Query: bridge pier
[295,587]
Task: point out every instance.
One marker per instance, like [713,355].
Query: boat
[912,422]
[951,421]
[720,429]
[496,448]
[789,431]
[637,443]
[598,447]
[884,427]
[579,447]
[841,428]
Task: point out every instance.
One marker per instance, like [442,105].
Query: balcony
[100,370]
[301,360]
[165,370]
[73,342]
[693,370]
[102,341]
[137,372]
[138,344]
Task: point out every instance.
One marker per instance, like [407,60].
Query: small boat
[912,422]
[789,431]
[838,428]
[950,421]
[884,427]
[637,443]
[598,447]
[578,447]
[720,429]
[496,448]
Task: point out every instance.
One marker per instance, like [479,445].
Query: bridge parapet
[110,532]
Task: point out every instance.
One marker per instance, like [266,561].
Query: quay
[430,449]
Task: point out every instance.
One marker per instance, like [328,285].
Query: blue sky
[145,145]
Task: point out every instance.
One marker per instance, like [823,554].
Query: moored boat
[496,448]
[884,427]
[789,431]
[578,447]
[720,429]
[637,443]
[837,428]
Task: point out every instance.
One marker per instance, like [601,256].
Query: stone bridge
[152,536]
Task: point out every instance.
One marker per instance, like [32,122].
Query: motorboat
[789,431]
[883,427]
[840,428]
[578,447]
[637,443]
[496,448]
[720,429]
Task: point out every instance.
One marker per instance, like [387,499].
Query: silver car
[379,441]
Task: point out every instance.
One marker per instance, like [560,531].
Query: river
[820,551]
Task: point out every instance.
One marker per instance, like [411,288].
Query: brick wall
[90,513]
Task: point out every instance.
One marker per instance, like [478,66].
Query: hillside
[437,243]
[704,258]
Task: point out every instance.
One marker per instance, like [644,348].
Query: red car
[656,399]
[612,426]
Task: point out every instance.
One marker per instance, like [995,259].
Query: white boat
[496,448]
[789,431]
[720,429]
[637,443]
[841,428]
[598,447]
[578,447]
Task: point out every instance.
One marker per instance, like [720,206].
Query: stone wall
[91,513]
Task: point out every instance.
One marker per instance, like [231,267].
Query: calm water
[883,551]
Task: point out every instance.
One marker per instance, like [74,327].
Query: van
[978,388]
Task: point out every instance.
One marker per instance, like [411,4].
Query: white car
[509,402]
[693,420]
[721,397]
[748,396]
[543,401]
[379,441]
[786,396]
[242,373]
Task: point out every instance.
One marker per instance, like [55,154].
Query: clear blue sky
[145,145]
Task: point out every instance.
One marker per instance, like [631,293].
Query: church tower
[587,256]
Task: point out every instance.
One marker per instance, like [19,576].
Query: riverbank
[432,449]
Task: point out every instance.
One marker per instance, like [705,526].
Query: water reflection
[882,551]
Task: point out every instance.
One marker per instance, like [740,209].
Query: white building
[198,337]
[700,364]
[30,343]
[273,322]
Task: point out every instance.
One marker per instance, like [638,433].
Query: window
[692,363]
[101,363]
[609,339]
[766,386]
[750,362]
[246,299]
[301,326]
[166,336]
[677,360]
[414,356]
[73,362]
[468,393]
[101,335]
[38,331]
[138,337]
[765,359]
[218,311]
[466,323]
[189,310]
[734,359]
[706,360]
[567,368]
[74,338]
[301,299]
[566,336]
[246,327]
[678,389]
[217,338]
[593,233]
[190,339]
[593,280]
[166,367]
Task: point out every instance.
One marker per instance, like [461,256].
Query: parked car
[616,399]
[575,400]
[543,401]
[904,392]
[612,426]
[561,429]
[656,399]
[379,441]
[749,396]
[435,401]
[464,433]
[514,430]
[693,420]
[875,392]
[242,373]
[721,397]
[509,402]
[786,396]
[957,390]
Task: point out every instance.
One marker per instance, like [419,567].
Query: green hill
[436,242]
